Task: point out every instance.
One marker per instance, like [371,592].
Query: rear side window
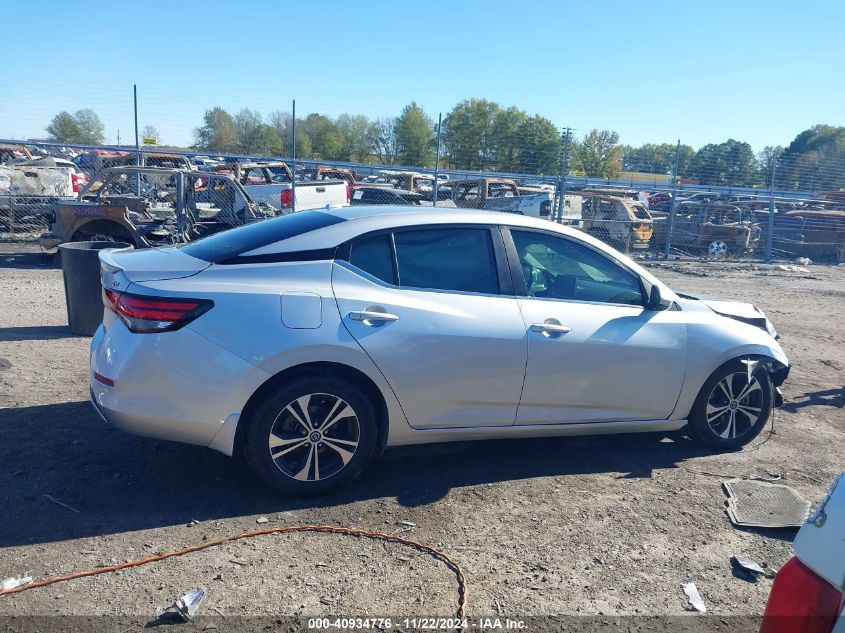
[374,255]
[221,247]
[447,259]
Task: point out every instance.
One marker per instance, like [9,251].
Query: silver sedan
[311,341]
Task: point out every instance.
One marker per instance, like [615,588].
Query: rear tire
[315,433]
[730,411]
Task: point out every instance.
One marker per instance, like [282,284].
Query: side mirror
[655,301]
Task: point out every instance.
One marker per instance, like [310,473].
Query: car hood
[737,310]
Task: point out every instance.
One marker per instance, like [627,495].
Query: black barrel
[83,293]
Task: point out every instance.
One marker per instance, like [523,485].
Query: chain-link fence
[670,202]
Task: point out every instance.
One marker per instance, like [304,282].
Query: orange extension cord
[331,529]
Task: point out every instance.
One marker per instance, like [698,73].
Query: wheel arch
[105,225]
[778,371]
[338,369]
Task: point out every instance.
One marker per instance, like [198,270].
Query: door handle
[372,315]
[550,328]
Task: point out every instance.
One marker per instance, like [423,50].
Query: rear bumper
[49,241]
[176,386]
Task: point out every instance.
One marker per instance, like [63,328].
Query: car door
[434,308]
[594,352]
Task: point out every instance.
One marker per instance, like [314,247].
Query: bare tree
[382,140]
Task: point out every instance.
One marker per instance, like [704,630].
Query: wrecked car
[146,207]
[620,222]
[714,229]
[500,194]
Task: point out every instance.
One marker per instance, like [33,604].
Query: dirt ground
[604,526]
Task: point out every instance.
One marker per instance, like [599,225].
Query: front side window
[455,259]
[559,268]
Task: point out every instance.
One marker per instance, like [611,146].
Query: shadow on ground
[28,260]
[36,333]
[117,482]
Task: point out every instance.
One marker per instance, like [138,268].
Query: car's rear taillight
[348,193]
[143,314]
[801,600]
[287,198]
[78,181]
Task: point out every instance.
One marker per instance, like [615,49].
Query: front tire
[730,410]
[316,432]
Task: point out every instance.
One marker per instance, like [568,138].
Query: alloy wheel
[735,405]
[314,437]
[717,248]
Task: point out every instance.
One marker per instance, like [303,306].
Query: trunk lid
[148,265]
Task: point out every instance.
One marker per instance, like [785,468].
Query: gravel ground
[602,526]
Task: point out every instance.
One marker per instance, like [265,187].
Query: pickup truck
[28,189]
[150,207]
[271,183]
[500,194]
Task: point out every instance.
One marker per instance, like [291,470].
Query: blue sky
[653,71]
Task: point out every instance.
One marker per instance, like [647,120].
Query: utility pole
[566,138]
[118,137]
[137,146]
[770,230]
[437,160]
[674,200]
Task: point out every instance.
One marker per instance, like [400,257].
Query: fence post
[673,203]
[137,146]
[293,159]
[770,229]
[437,160]
[562,174]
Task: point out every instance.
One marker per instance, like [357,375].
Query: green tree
[218,132]
[64,129]
[467,134]
[84,127]
[90,126]
[414,131]
[539,146]
[353,130]
[326,142]
[600,154]
[249,131]
[728,163]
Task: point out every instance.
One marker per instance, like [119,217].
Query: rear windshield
[234,242]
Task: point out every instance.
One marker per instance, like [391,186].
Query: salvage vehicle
[325,172]
[381,195]
[309,342]
[821,235]
[808,593]
[93,162]
[29,188]
[270,183]
[620,222]
[148,207]
[714,229]
[11,153]
[500,194]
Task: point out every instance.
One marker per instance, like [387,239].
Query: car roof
[360,219]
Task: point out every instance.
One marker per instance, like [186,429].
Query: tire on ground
[263,416]
[700,429]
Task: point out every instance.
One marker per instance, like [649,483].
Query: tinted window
[447,259]
[228,244]
[559,268]
[375,256]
